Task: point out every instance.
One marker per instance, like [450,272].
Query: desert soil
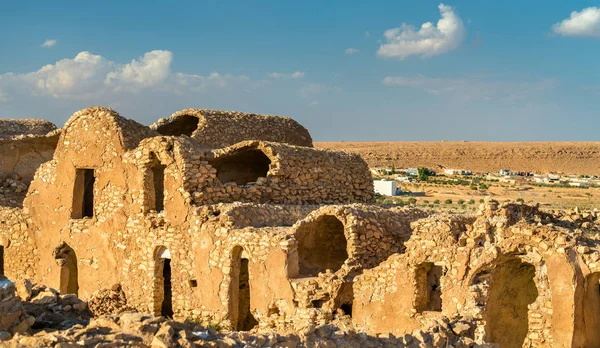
[537,157]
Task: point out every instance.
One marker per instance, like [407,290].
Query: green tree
[448,201]
[461,201]
[423,174]
[412,201]
[437,201]
[520,200]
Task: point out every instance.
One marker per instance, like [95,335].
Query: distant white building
[385,187]
[457,172]
[504,172]
[404,179]
[412,171]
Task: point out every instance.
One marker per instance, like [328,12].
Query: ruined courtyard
[235,221]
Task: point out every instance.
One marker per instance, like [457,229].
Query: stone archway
[512,288]
[66,258]
[163,291]
[322,245]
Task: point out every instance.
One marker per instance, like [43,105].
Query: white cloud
[89,76]
[294,75]
[48,43]
[584,23]
[428,41]
[475,87]
[151,70]
[69,77]
[351,51]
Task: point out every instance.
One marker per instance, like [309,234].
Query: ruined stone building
[234,218]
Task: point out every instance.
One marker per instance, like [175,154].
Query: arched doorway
[66,258]
[591,310]
[322,245]
[512,289]
[241,315]
[163,292]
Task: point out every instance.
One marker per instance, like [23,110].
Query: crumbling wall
[216,129]
[294,175]
[511,269]
[258,233]
[24,145]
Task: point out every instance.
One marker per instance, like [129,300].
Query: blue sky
[347,70]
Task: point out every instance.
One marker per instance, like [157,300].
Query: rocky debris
[49,309]
[13,317]
[135,329]
[25,127]
[12,191]
[108,301]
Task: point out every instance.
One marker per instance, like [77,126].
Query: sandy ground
[549,198]
[561,157]
[537,157]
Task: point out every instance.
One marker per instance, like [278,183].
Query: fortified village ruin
[235,220]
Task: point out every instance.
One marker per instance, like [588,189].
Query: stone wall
[24,145]
[509,257]
[215,128]
[254,171]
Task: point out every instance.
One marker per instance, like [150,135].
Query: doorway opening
[163,290]
[67,260]
[243,320]
[512,290]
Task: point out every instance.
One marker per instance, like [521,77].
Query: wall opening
[83,194]
[182,125]
[321,245]
[67,260]
[347,309]
[242,167]
[1,260]
[512,289]
[591,310]
[242,318]
[429,291]
[163,291]
[157,184]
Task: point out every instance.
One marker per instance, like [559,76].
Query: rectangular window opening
[83,194]
[158,175]
[429,291]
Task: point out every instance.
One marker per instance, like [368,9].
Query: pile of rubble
[36,315]
[135,329]
[12,191]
